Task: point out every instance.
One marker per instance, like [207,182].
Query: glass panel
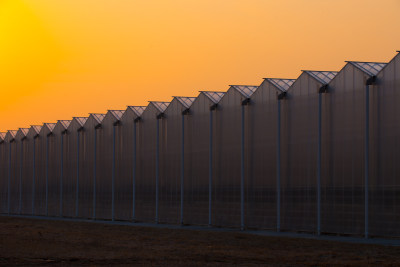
[343,131]
[370,68]
[245,90]
[138,110]
[281,84]
[186,101]
[385,131]
[214,96]
[323,77]
[161,106]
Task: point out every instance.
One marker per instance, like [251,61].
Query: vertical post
[366,159]
[77,177]
[113,179]
[47,175]
[182,164]
[94,173]
[9,179]
[20,175]
[134,173]
[157,165]
[33,175]
[61,174]
[242,172]
[278,170]
[210,168]
[319,166]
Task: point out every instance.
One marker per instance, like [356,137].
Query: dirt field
[41,242]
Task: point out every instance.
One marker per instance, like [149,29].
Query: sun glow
[67,58]
[28,53]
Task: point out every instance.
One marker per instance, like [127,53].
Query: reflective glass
[370,68]
[214,96]
[323,77]
[186,101]
[281,84]
[245,90]
[138,110]
[161,106]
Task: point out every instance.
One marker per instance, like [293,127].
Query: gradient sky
[65,58]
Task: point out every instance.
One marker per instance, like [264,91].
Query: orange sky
[64,58]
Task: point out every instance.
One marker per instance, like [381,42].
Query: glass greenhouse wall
[384,151]
[89,161]
[45,145]
[126,164]
[57,172]
[198,161]
[108,137]
[3,174]
[69,181]
[171,176]
[261,210]
[25,174]
[30,173]
[13,171]
[149,146]
[228,184]
[344,152]
[84,179]
[299,151]
[317,154]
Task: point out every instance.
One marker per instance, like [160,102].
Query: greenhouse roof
[2,136]
[24,131]
[214,96]
[82,120]
[65,123]
[370,68]
[245,90]
[36,128]
[281,84]
[117,113]
[138,110]
[50,126]
[13,133]
[186,101]
[161,106]
[323,77]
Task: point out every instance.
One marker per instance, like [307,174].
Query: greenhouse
[199,158]
[316,154]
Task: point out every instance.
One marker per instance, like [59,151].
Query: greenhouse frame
[316,154]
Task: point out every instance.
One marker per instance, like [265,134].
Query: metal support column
[94,173]
[33,175]
[20,175]
[182,163]
[366,162]
[242,172]
[319,166]
[210,166]
[47,175]
[77,176]
[134,170]
[157,164]
[113,178]
[61,173]
[278,170]
[9,179]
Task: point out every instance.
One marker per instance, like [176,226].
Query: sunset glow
[67,58]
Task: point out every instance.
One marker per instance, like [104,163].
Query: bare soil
[43,242]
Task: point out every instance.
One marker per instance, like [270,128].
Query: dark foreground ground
[41,242]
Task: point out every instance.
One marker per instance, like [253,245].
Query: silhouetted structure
[317,154]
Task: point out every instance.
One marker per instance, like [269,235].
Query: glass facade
[317,154]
